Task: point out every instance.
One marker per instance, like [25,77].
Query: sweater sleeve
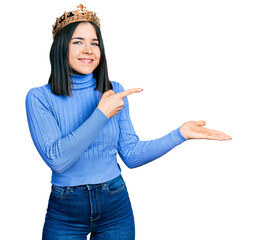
[59,152]
[134,152]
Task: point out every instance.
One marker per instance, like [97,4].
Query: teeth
[85,60]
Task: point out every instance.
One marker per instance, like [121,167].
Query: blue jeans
[104,210]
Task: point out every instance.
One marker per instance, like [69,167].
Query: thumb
[200,123]
[109,93]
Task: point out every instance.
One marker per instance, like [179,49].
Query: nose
[87,50]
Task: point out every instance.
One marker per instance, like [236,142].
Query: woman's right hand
[111,103]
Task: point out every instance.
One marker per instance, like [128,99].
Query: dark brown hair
[60,79]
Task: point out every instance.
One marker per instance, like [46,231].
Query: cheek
[98,55]
[96,51]
[72,55]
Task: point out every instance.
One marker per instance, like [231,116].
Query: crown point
[80,14]
[81,7]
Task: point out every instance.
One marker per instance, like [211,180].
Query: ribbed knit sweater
[79,143]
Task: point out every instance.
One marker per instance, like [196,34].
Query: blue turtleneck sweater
[79,143]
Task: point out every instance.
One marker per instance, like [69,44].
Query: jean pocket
[60,192]
[115,186]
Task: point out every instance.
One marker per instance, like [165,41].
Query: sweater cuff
[177,136]
[100,115]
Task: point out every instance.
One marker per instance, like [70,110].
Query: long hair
[60,79]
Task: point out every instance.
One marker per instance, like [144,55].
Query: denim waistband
[92,186]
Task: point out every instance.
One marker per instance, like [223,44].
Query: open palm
[195,130]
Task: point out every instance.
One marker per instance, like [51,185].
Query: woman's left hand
[195,130]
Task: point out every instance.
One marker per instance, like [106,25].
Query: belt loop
[104,186]
[70,189]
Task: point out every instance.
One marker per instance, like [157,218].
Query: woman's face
[84,52]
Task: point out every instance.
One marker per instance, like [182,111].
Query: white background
[195,60]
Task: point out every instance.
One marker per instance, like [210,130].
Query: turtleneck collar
[83,81]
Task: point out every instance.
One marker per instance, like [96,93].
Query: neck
[82,81]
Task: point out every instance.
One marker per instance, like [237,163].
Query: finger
[128,92]
[216,132]
[223,136]
[200,123]
[219,137]
[212,133]
[215,135]
[109,93]
[119,108]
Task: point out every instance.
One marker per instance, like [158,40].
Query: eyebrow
[80,38]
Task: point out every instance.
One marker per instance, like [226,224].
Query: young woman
[79,121]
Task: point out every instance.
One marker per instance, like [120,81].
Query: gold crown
[81,14]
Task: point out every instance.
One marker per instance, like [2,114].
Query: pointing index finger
[128,92]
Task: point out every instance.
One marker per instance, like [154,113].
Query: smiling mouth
[86,60]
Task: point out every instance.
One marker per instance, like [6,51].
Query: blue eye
[95,44]
[78,42]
